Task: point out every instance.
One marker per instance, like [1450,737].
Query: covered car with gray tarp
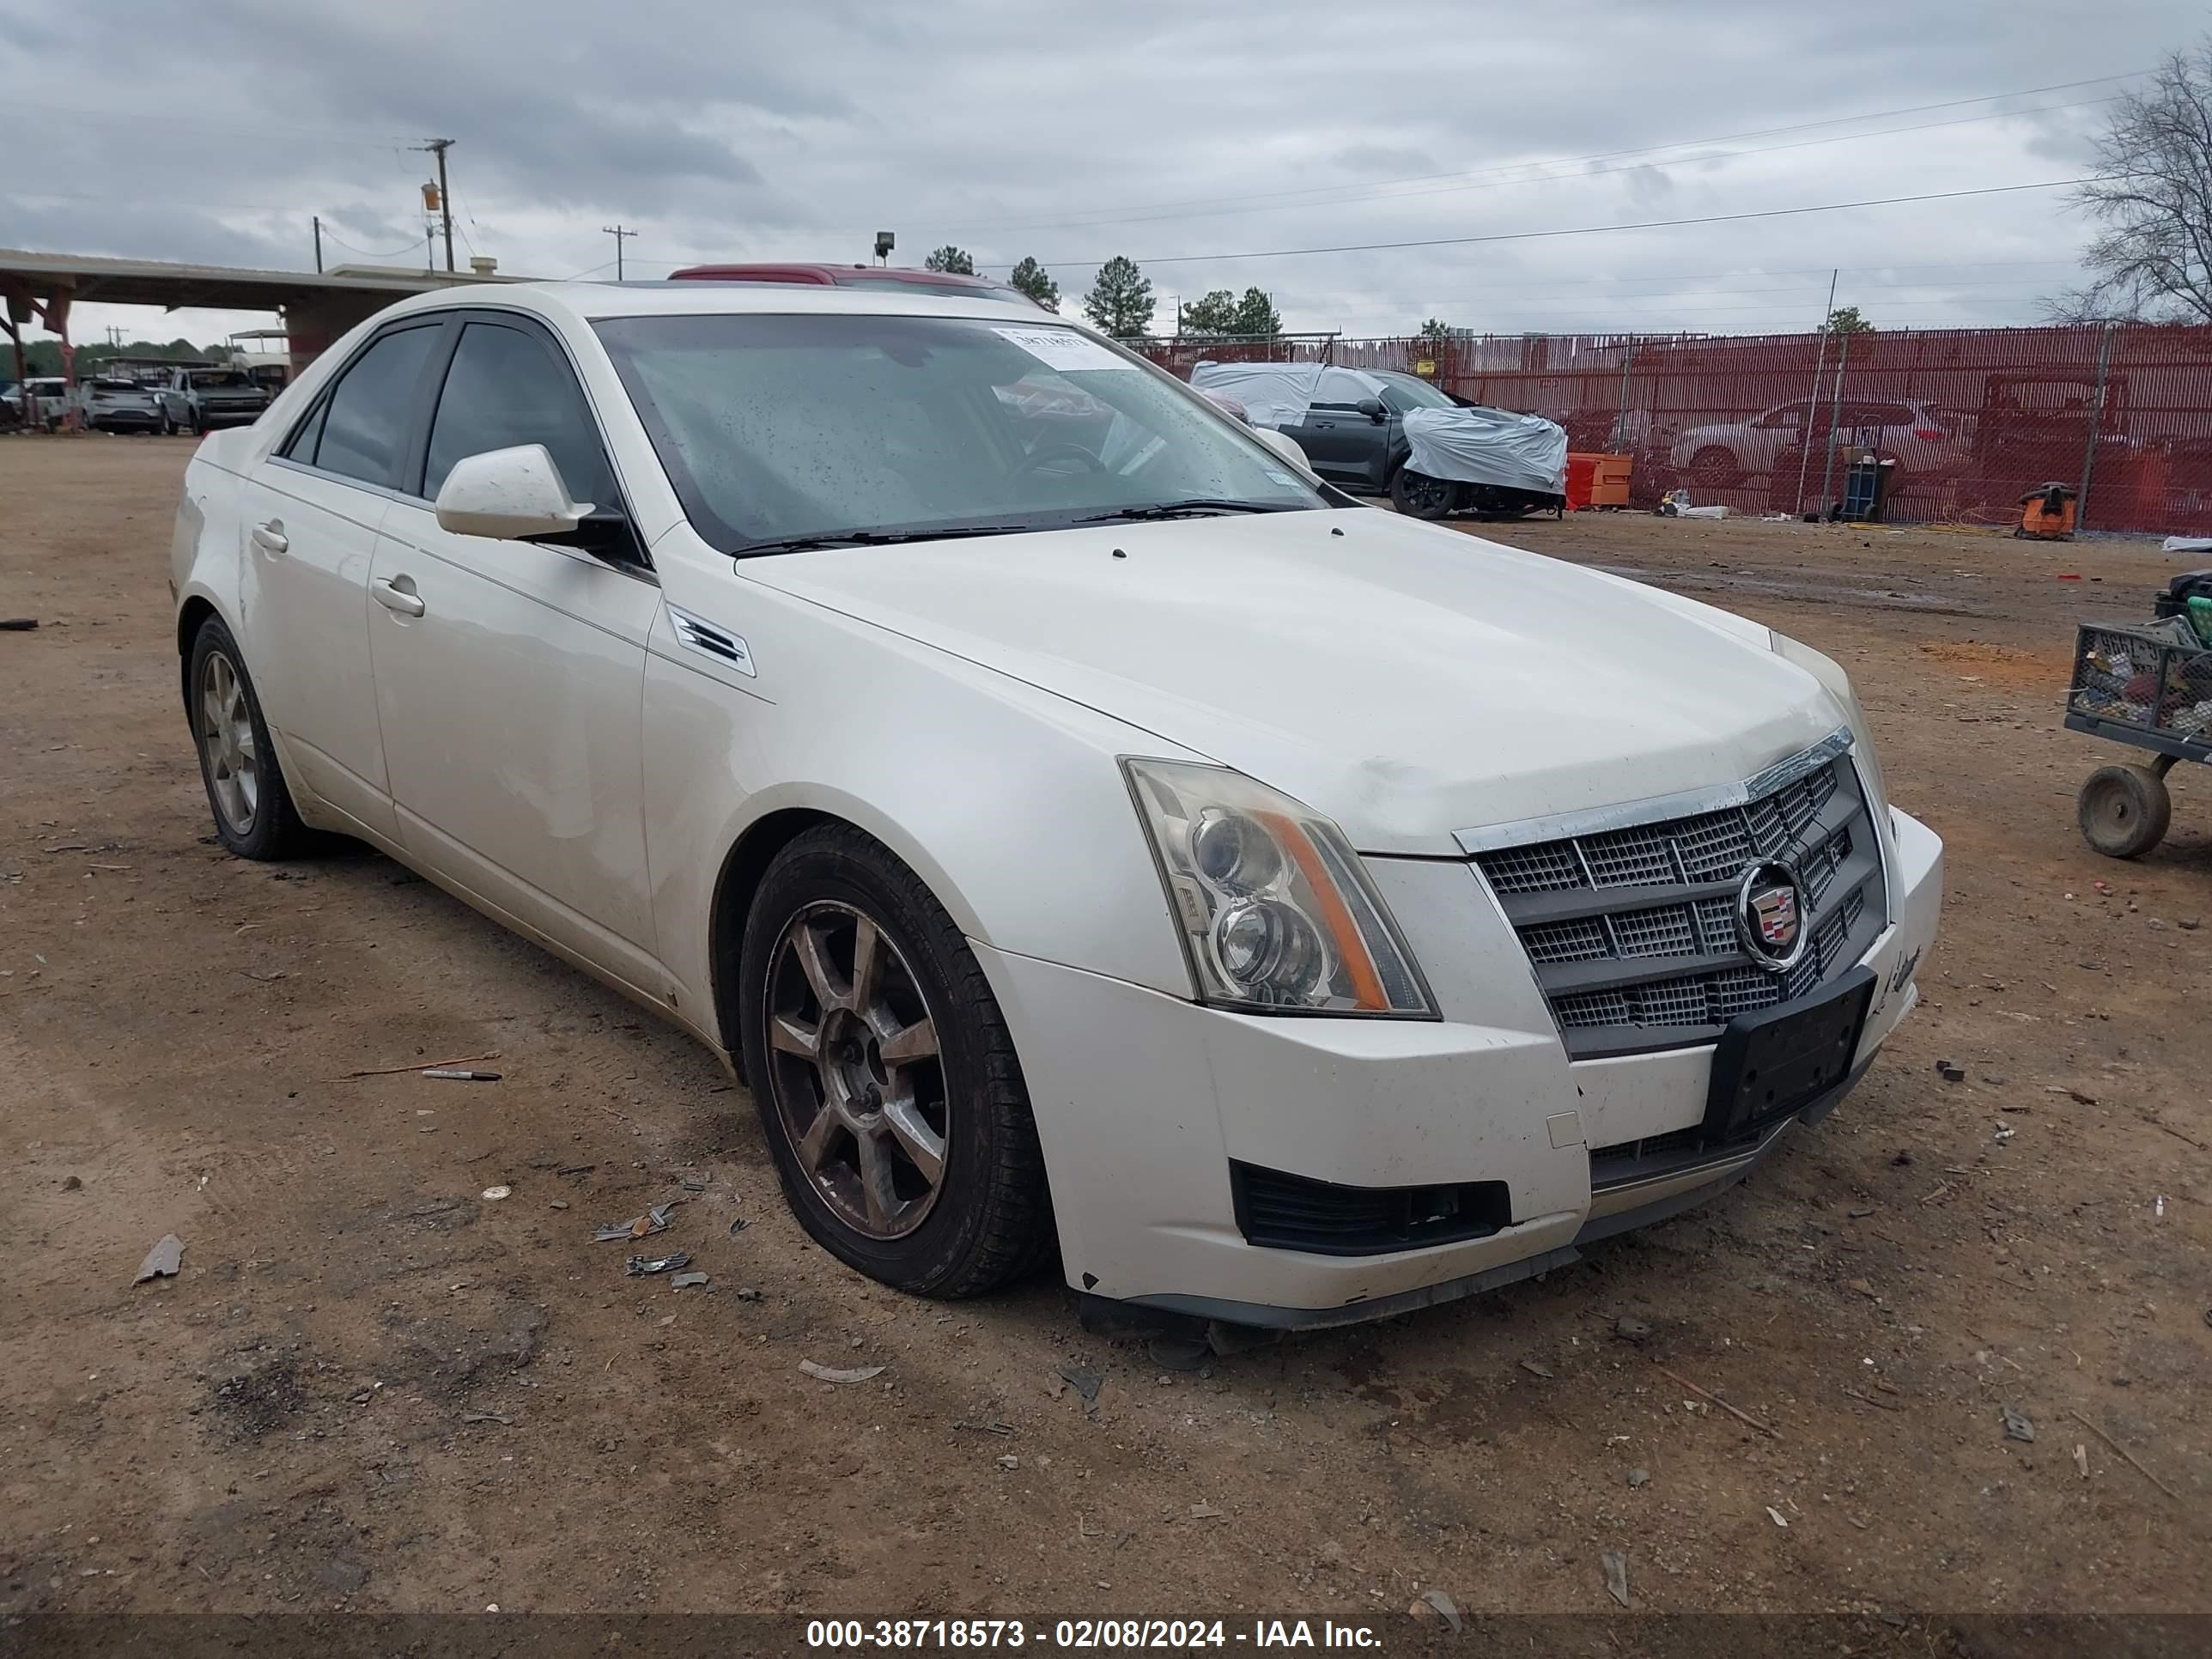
[1378,430]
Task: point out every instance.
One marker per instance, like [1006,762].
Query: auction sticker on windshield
[1062,348]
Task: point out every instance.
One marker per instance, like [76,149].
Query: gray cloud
[1165,131]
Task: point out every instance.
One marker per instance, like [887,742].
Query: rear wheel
[2124,811]
[254,813]
[884,1075]
[1713,468]
[1419,496]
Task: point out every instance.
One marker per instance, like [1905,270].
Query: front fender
[1008,801]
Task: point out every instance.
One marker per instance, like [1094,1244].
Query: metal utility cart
[2149,686]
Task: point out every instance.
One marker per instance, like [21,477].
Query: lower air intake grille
[1292,1212]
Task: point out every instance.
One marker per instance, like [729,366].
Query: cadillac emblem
[1770,917]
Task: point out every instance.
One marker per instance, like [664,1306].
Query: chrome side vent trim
[724,648]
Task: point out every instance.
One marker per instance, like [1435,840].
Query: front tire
[884,1075]
[254,816]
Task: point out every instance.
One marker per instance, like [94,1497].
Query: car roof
[826,275]
[585,302]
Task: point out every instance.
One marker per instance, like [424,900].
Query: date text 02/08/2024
[1113,1634]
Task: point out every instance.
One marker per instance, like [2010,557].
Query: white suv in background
[1726,455]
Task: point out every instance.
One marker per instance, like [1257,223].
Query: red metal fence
[1972,418]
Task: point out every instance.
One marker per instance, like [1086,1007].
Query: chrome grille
[1600,926]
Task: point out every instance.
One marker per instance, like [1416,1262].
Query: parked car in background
[51,395]
[1921,439]
[1077,823]
[896,279]
[199,399]
[1349,421]
[106,404]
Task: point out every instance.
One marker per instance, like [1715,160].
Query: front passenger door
[1345,445]
[510,674]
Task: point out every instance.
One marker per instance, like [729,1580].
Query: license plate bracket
[1778,1061]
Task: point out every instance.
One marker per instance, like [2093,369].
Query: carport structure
[317,307]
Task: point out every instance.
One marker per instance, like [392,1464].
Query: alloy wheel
[226,742]
[855,1074]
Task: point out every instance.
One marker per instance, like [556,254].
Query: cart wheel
[2124,811]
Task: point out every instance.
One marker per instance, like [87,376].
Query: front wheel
[884,1075]
[254,816]
[2124,811]
[1714,467]
[1419,496]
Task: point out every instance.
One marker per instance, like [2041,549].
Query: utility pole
[318,242]
[618,233]
[438,147]
[1813,398]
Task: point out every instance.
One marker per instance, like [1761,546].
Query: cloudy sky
[1211,143]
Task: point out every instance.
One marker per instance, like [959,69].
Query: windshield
[781,429]
[220,377]
[1404,391]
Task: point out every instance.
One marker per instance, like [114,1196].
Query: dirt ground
[372,1388]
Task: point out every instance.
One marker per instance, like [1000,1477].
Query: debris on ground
[1207,1512]
[1436,1605]
[686,1281]
[17,624]
[1639,1477]
[494,1194]
[453,1074]
[1778,1517]
[163,1261]
[1742,1417]
[746,1293]
[832,1373]
[1010,1461]
[737,1226]
[2128,1456]
[2082,1458]
[559,1204]
[73,1184]
[1084,1381]
[1631,1330]
[1616,1576]
[2016,1425]
[501,1418]
[652,1221]
[641,1265]
[413,1066]
[1537,1368]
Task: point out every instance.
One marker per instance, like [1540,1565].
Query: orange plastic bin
[1598,480]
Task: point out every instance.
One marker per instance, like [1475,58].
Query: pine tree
[1030,277]
[1121,301]
[956,260]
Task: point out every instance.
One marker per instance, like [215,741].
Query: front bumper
[1143,1101]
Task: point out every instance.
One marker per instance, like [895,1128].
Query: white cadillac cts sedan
[1076,824]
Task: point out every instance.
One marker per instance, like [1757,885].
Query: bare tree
[2152,196]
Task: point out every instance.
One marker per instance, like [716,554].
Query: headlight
[1830,675]
[1275,909]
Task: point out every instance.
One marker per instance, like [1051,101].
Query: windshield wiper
[875,538]
[1197,507]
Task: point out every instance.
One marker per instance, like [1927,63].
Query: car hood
[1407,680]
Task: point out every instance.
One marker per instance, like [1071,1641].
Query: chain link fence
[1971,419]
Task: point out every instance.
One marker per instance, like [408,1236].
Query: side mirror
[1373,409]
[508,495]
[1285,446]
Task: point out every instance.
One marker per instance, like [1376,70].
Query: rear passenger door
[312,512]
[510,674]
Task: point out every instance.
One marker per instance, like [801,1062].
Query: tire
[985,1217]
[1713,468]
[2124,811]
[168,426]
[1418,495]
[254,813]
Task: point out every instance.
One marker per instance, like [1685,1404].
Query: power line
[1577,230]
[1318,195]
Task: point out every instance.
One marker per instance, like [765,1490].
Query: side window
[1337,389]
[505,387]
[363,428]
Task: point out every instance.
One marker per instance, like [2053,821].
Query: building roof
[171,285]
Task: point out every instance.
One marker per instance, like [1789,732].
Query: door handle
[387,593]
[270,537]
